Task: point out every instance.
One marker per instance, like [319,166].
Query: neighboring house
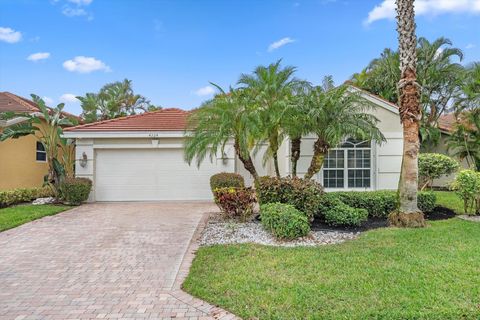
[23,160]
[140,158]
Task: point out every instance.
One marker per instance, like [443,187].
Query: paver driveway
[104,260]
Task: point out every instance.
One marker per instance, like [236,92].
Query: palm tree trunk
[247,162]
[275,163]
[320,149]
[295,154]
[408,214]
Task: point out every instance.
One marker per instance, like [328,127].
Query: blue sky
[172,49]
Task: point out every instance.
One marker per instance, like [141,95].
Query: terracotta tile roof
[10,102]
[446,122]
[171,119]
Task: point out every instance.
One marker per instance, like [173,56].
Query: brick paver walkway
[104,261]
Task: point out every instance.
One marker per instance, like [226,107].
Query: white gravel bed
[231,232]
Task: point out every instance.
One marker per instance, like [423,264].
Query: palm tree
[271,89]
[336,113]
[47,128]
[465,139]
[408,214]
[211,127]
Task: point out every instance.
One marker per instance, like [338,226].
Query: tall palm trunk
[408,214]
[295,154]
[320,149]
[274,149]
[247,161]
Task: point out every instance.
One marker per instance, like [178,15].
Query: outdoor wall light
[84,160]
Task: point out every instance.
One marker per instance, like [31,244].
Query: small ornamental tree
[433,166]
[467,186]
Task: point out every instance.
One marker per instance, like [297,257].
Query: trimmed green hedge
[303,194]
[381,203]
[75,190]
[284,221]
[226,180]
[11,197]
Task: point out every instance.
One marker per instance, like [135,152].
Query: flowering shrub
[11,197]
[237,203]
[467,186]
[226,180]
[433,166]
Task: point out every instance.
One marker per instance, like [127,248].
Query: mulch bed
[440,213]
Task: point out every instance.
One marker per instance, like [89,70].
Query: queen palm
[271,92]
[212,126]
[336,113]
[408,214]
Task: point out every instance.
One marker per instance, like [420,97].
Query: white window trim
[373,168]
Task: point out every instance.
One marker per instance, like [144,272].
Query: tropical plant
[335,113]
[439,76]
[113,100]
[408,214]
[46,126]
[464,142]
[218,121]
[433,166]
[271,90]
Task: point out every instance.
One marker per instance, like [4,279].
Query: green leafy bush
[341,214]
[75,190]
[303,194]
[467,187]
[433,166]
[380,203]
[226,180]
[11,197]
[284,221]
[237,203]
[427,201]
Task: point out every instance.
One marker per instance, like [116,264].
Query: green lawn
[14,216]
[449,199]
[431,273]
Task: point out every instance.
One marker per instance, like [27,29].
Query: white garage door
[151,174]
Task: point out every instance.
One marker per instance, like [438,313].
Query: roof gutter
[123,134]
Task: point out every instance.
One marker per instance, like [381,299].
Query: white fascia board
[124,134]
[11,122]
[375,100]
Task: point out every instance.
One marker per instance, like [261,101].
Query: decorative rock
[231,232]
[470,218]
[43,201]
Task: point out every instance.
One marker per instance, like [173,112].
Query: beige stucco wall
[18,165]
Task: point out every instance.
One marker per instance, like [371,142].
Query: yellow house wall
[18,165]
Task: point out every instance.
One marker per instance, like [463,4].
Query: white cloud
[280,43]
[38,56]
[470,46]
[82,64]
[68,98]
[386,9]
[81,2]
[9,35]
[205,91]
[74,12]
[48,101]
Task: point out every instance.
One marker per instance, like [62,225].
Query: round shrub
[284,221]
[340,214]
[303,194]
[467,187]
[75,190]
[433,166]
[427,201]
[226,180]
[236,203]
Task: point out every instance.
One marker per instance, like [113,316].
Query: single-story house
[23,161]
[140,158]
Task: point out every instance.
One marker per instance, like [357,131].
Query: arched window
[349,166]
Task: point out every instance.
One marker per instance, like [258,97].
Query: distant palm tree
[408,214]
[336,113]
[211,127]
[271,90]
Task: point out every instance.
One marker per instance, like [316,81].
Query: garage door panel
[150,174]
